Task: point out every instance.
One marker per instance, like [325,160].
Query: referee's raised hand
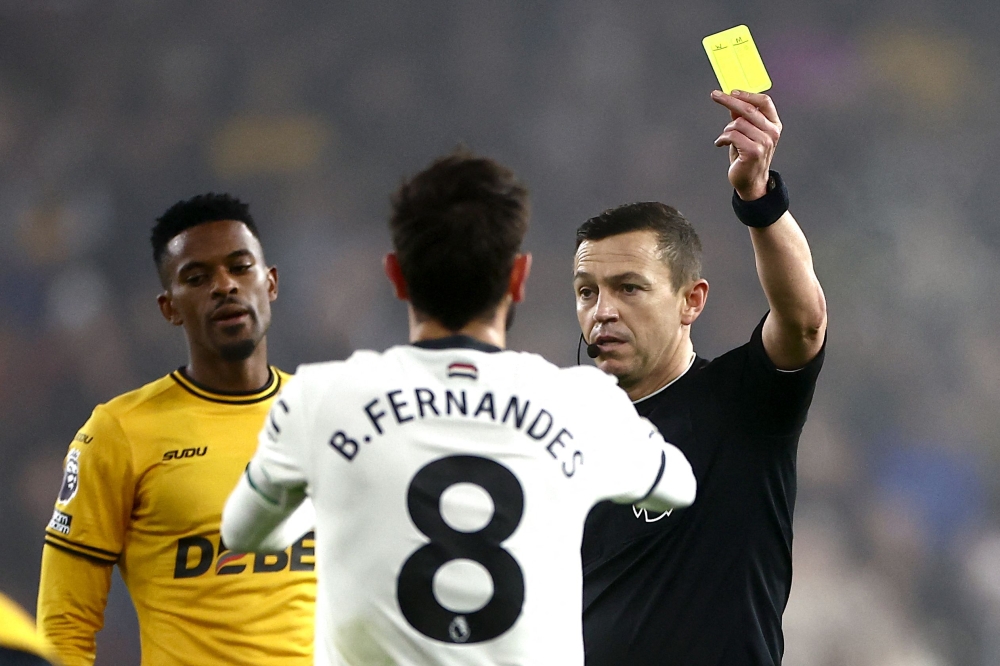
[752,137]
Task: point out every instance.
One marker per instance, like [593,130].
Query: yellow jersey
[144,484]
[18,637]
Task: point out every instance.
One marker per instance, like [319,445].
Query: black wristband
[765,211]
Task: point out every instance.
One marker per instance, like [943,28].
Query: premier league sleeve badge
[71,477]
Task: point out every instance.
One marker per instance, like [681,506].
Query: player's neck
[215,373]
[674,364]
[492,332]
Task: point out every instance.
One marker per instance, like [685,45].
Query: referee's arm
[794,331]
[796,327]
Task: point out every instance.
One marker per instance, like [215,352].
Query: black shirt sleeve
[12,657]
[775,401]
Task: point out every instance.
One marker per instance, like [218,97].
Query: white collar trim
[668,384]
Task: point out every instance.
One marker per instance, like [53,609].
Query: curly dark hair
[197,210]
[457,227]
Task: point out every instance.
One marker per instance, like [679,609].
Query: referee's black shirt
[706,585]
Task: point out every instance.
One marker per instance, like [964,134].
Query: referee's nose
[606,310]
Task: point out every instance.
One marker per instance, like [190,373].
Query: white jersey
[451,487]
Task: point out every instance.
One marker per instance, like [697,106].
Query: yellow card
[736,62]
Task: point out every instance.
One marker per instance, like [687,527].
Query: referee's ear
[694,297]
[395,274]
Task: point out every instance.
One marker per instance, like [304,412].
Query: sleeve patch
[71,477]
[60,522]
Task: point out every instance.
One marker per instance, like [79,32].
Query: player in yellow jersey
[20,642]
[146,477]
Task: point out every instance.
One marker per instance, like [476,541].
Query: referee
[703,586]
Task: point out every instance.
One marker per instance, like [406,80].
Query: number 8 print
[415,584]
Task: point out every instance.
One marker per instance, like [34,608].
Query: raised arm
[794,331]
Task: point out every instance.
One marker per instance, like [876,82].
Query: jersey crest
[466,370]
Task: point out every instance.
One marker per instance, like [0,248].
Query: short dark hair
[197,210]
[457,227]
[678,243]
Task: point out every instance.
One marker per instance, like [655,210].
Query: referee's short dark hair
[457,227]
[678,243]
[197,210]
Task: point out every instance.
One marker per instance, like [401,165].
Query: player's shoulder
[139,399]
[587,379]
[326,371]
[365,365]
[579,384]
[106,423]
[316,380]
[589,374]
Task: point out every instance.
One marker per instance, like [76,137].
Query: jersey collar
[673,381]
[457,342]
[268,390]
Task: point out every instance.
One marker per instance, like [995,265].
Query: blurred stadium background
[312,111]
